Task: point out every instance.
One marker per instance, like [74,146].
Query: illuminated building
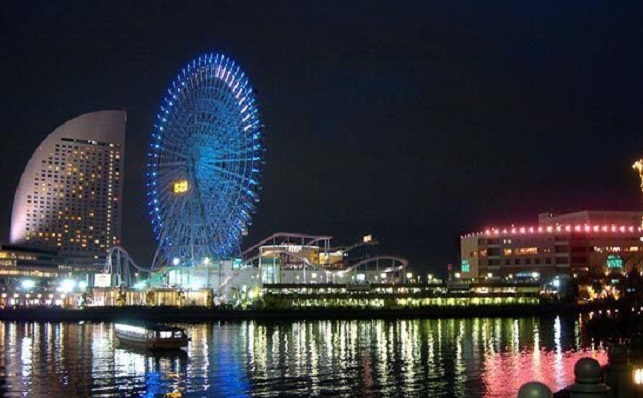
[31,276]
[284,259]
[18,261]
[571,244]
[278,262]
[293,258]
[69,198]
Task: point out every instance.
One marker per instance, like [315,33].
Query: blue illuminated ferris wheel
[204,165]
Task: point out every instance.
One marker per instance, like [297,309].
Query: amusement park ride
[205,163]
[204,170]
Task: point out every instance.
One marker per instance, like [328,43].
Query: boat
[151,336]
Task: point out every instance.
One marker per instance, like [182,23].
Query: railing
[622,377]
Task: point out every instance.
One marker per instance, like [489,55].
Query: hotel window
[494,251]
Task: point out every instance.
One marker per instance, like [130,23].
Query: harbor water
[479,357]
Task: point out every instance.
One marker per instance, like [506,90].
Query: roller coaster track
[120,267]
[402,261]
[307,240]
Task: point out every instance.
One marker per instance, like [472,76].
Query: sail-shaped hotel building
[69,198]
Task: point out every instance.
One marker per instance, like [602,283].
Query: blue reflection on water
[439,357]
[232,378]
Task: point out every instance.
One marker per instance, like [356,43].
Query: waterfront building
[373,296]
[36,276]
[567,245]
[69,198]
[19,261]
[288,263]
[309,259]
[223,276]
[286,296]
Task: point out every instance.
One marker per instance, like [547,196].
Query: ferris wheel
[205,163]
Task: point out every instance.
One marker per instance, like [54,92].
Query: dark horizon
[414,122]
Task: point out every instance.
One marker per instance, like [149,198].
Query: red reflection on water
[508,371]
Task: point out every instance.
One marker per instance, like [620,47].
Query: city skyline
[414,122]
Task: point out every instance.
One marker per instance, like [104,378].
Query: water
[433,357]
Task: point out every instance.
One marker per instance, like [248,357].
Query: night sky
[416,122]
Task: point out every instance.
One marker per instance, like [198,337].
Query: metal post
[618,372]
[207,270]
[534,389]
[219,281]
[588,374]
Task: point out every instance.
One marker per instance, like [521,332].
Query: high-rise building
[70,195]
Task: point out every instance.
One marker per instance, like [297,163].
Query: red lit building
[571,244]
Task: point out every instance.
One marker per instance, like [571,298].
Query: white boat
[151,336]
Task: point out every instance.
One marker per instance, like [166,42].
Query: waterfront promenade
[200,314]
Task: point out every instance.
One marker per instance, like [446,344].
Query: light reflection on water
[434,357]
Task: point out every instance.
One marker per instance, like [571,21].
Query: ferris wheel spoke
[229,154]
[173,164]
[236,176]
[233,160]
[224,191]
[175,153]
[173,208]
[170,175]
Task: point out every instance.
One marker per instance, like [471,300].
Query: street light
[638,376]
[28,284]
[67,285]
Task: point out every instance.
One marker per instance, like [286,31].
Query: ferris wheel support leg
[156,259]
